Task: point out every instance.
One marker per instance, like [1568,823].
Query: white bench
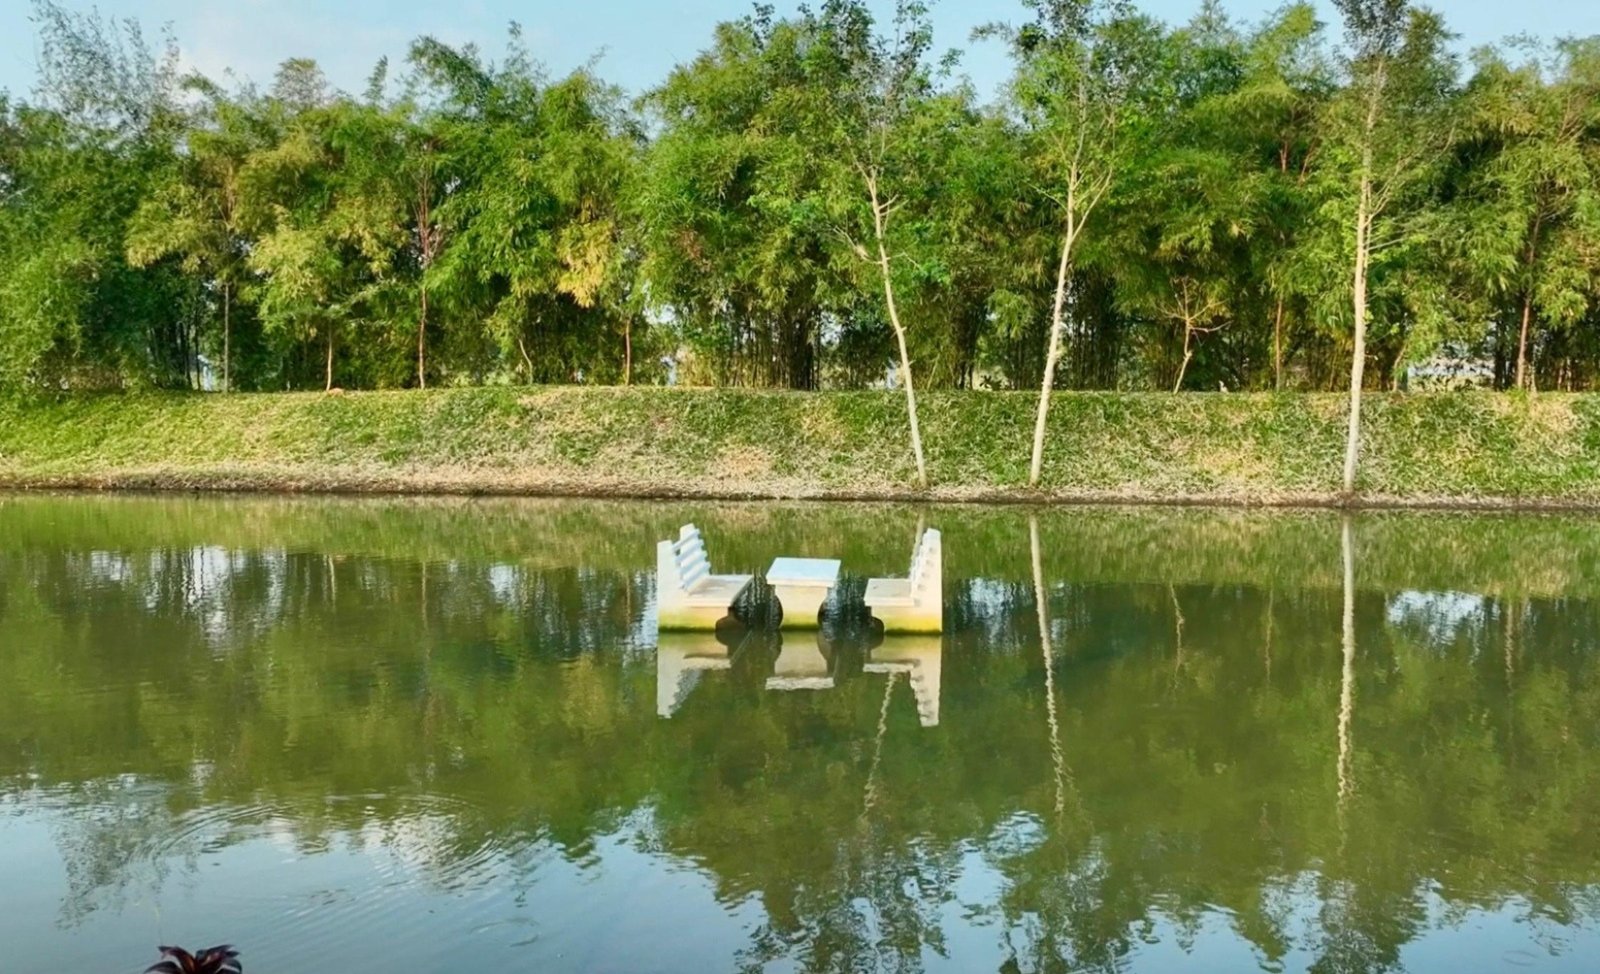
[914,603]
[688,596]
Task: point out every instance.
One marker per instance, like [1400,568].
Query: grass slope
[1451,447]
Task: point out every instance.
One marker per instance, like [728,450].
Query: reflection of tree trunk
[1177,633]
[870,795]
[1041,597]
[1266,651]
[1347,688]
[1511,626]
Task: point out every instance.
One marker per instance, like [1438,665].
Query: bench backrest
[925,576]
[683,563]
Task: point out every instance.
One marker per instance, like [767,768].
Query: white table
[801,586]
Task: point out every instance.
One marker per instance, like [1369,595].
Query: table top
[803,571]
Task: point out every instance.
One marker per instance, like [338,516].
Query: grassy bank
[1444,448]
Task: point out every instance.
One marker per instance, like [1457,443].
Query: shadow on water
[385,732]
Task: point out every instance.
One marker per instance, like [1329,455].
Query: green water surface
[416,736]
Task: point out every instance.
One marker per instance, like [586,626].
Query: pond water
[397,735]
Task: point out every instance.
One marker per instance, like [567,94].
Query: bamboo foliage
[820,200]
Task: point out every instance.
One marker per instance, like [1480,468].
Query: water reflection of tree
[526,700]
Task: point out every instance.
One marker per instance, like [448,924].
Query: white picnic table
[801,585]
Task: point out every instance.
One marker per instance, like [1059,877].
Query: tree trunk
[1364,218]
[428,244]
[1054,354]
[1358,359]
[422,342]
[1527,300]
[227,337]
[878,216]
[329,386]
[627,350]
[1277,348]
[1183,367]
[1522,342]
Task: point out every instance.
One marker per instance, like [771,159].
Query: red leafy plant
[213,960]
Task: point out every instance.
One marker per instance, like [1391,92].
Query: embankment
[1448,449]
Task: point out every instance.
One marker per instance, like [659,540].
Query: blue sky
[637,41]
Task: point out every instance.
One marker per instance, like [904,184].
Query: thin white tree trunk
[1183,367]
[1522,342]
[1358,360]
[422,341]
[1523,380]
[878,217]
[1352,446]
[1053,355]
[1277,348]
[1364,218]
[227,337]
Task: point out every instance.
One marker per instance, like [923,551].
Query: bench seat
[888,591]
[718,590]
[914,604]
[688,595]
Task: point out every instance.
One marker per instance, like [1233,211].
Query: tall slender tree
[1083,67]
[1390,130]
[884,81]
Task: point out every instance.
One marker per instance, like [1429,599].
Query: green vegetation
[817,199]
[1445,447]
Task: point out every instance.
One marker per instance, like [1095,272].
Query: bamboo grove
[815,200]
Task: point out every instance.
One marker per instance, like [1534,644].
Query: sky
[636,41]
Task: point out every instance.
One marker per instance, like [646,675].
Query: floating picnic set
[691,600]
[689,596]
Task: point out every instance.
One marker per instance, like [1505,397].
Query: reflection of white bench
[688,596]
[680,659]
[914,603]
[921,659]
